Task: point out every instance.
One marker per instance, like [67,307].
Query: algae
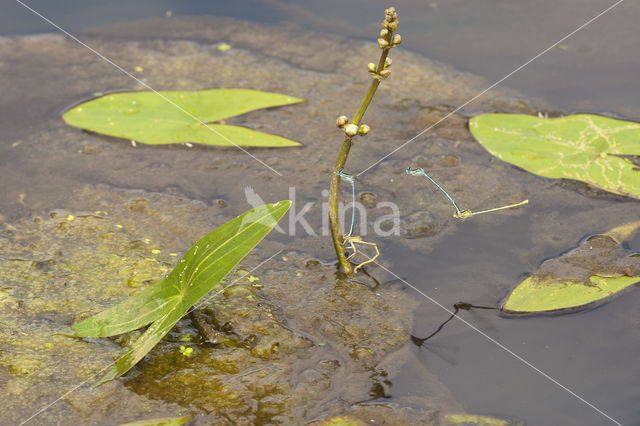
[279,353]
[302,344]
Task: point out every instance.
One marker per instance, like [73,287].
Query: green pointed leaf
[593,271]
[199,271]
[340,421]
[175,117]
[622,232]
[474,420]
[154,333]
[535,296]
[164,421]
[141,309]
[583,147]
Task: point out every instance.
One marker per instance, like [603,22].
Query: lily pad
[585,147]
[176,117]
[598,268]
[200,270]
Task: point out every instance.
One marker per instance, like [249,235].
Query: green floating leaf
[595,270]
[155,119]
[474,419]
[533,296]
[584,147]
[199,270]
[164,421]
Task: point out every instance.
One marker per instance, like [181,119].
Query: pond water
[590,71]
[358,341]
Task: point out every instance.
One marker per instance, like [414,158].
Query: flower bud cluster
[386,41]
[390,24]
[351,130]
[390,19]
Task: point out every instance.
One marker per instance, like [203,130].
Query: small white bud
[385,73]
[387,62]
[364,129]
[397,39]
[351,130]
[371,67]
[382,43]
[384,32]
[342,121]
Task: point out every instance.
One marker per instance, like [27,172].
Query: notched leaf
[175,117]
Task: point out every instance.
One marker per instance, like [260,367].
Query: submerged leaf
[596,269]
[340,421]
[164,421]
[199,270]
[585,147]
[474,420]
[168,117]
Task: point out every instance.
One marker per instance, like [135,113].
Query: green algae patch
[279,353]
[200,270]
[585,147]
[247,365]
[174,117]
[56,271]
[595,270]
[70,260]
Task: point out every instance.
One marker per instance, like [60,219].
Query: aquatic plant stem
[334,222]
[386,42]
